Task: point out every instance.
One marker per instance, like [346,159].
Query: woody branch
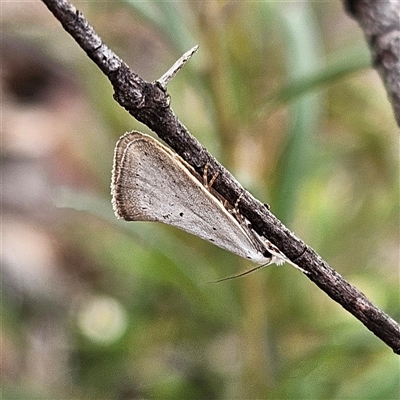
[148,102]
[380,22]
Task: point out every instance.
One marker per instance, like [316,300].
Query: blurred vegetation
[95,308]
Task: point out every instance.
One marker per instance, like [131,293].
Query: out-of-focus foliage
[95,308]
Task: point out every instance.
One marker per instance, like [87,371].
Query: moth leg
[205,173]
[207,184]
[235,210]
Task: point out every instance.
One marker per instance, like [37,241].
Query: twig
[148,103]
[170,74]
[380,21]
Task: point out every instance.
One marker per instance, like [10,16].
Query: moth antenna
[249,271]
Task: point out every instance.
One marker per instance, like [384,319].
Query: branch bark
[380,21]
[149,103]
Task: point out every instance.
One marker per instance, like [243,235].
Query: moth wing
[151,183]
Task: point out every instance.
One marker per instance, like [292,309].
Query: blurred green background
[282,94]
